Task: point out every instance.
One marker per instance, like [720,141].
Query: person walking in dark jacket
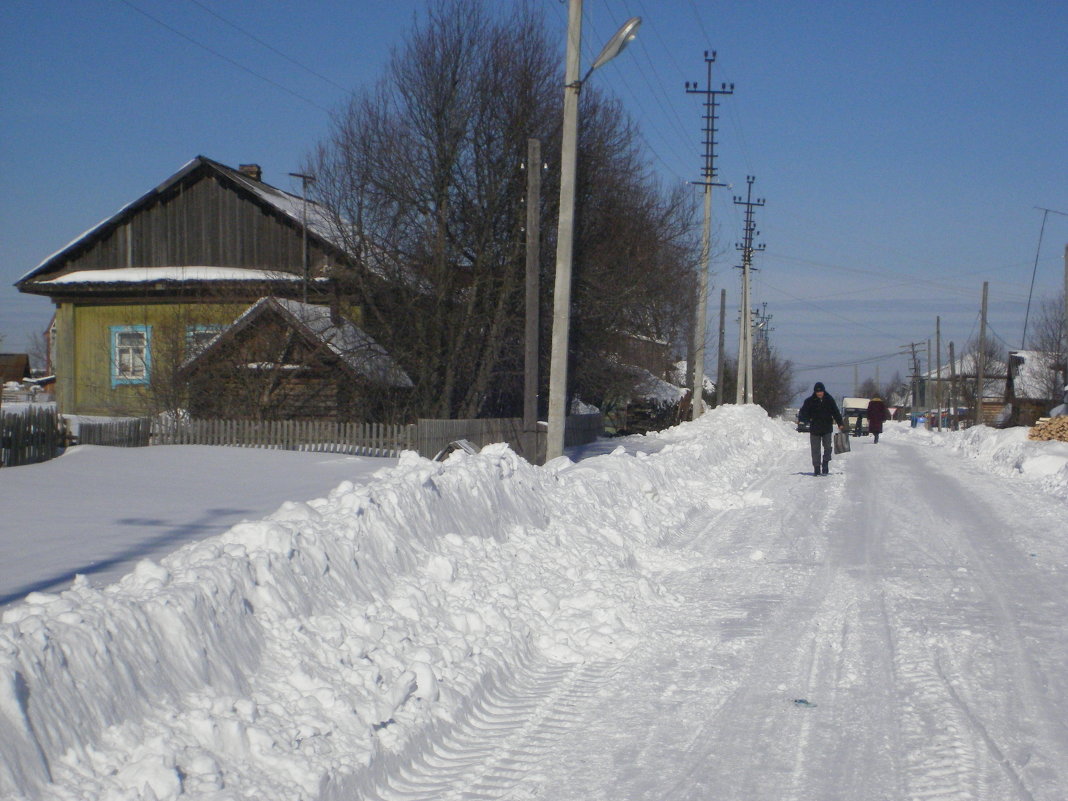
[821,413]
[877,415]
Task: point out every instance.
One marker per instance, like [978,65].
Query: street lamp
[566,228]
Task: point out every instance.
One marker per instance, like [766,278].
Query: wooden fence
[37,435]
[432,436]
[133,432]
[30,436]
[357,439]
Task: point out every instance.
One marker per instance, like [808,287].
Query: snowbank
[294,652]
[1008,452]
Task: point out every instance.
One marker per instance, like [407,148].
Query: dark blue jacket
[820,413]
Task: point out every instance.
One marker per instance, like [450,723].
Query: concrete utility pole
[533,296]
[980,362]
[723,328]
[953,388]
[708,174]
[938,373]
[744,392]
[565,237]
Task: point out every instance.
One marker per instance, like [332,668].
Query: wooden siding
[83,352]
[200,223]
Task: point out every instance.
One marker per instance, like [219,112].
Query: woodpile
[1049,428]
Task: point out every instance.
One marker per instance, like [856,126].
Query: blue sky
[901,147]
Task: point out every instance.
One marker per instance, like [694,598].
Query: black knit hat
[819,387]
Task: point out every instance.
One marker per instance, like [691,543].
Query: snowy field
[686,615]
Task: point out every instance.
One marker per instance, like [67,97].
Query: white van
[855,414]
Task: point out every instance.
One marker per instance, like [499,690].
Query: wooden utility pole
[533,300]
[1064,350]
[980,361]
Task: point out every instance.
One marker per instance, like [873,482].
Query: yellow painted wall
[83,352]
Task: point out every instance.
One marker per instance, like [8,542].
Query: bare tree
[773,378]
[424,180]
[1048,340]
[868,388]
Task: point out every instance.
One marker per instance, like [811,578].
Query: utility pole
[723,328]
[744,393]
[305,179]
[980,363]
[914,366]
[938,373]
[532,300]
[1064,332]
[708,176]
[953,387]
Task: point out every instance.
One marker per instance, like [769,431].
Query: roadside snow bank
[1008,452]
[292,652]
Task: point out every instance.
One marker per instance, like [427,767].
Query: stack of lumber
[1048,428]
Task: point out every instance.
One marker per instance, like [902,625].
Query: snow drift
[296,652]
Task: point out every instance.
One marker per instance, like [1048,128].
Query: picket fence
[38,435]
[30,436]
[357,439]
[132,432]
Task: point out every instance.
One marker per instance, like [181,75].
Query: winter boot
[826,467]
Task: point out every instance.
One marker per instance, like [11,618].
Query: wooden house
[143,291]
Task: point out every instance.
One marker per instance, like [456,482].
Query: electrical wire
[224,57]
[270,47]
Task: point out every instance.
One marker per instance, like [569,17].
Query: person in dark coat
[877,415]
[821,413]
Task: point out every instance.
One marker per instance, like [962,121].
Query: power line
[270,47]
[869,360]
[225,58]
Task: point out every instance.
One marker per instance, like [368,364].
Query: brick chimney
[253,171]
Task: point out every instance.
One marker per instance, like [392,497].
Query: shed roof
[357,350]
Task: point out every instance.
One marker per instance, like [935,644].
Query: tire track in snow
[504,736]
[963,639]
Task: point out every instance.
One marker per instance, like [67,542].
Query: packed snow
[688,614]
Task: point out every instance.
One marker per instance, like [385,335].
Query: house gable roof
[272,200]
[357,352]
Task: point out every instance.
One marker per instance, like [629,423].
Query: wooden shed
[288,360]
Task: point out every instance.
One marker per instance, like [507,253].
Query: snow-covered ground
[687,615]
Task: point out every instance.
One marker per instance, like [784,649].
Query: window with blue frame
[131,356]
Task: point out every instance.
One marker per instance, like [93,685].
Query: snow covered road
[892,631]
[684,616]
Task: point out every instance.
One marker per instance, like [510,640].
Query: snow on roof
[135,275]
[356,348]
[290,205]
[655,389]
[1031,375]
